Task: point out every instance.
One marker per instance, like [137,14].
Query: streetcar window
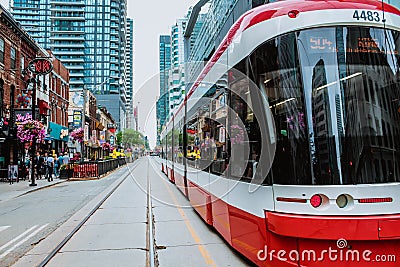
[274,68]
[334,94]
[178,142]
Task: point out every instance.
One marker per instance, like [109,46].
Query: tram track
[151,259]
[60,245]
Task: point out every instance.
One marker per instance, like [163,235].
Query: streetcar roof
[274,10]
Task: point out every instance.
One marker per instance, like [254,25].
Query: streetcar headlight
[342,201]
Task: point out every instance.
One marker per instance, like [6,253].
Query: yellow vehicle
[193,153]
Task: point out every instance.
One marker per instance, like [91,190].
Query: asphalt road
[28,219]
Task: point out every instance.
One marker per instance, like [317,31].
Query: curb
[83,179]
[39,188]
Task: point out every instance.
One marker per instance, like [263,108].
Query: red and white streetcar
[321,131]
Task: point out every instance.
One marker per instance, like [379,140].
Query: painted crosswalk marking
[18,238]
[25,235]
[2,228]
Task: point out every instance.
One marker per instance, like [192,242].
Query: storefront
[59,137]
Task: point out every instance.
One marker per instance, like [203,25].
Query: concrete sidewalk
[9,191]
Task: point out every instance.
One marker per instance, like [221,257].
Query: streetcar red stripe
[375,200]
[287,199]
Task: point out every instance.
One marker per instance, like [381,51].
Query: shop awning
[58,132]
[43,107]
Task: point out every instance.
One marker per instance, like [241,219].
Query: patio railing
[91,169]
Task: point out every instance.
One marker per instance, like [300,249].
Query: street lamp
[38,66]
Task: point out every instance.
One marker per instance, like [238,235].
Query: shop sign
[64,133]
[94,136]
[77,118]
[86,133]
[24,111]
[58,132]
[102,137]
[41,66]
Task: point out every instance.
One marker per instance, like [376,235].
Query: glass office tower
[129,73]
[89,37]
[105,41]
[165,66]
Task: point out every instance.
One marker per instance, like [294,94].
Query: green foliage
[119,138]
[131,138]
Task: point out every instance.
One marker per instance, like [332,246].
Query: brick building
[58,104]
[17,49]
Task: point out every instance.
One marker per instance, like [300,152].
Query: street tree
[131,138]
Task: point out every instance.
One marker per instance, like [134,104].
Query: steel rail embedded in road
[76,229]
[151,258]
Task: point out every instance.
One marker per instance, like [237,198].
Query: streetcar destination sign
[41,66]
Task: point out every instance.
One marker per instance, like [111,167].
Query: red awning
[43,107]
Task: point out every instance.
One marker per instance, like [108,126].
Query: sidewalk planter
[67,171]
[64,174]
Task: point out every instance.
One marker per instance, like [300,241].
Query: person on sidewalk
[65,158]
[57,164]
[49,163]
[10,176]
[38,165]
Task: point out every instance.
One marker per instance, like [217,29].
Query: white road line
[23,240]
[2,228]
[18,237]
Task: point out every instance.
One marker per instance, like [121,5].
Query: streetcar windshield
[335,96]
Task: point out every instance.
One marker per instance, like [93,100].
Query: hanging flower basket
[28,129]
[77,135]
[23,100]
[106,146]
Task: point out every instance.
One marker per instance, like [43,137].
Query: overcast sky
[151,21]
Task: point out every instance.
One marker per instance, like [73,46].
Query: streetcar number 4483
[366,15]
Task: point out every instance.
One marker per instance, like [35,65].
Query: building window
[12,57]
[22,64]
[1,51]
[1,97]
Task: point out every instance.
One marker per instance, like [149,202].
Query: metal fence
[91,169]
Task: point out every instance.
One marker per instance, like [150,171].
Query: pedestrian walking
[65,158]
[28,163]
[49,163]
[38,165]
[58,161]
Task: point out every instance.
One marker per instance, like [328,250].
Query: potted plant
[64,171]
